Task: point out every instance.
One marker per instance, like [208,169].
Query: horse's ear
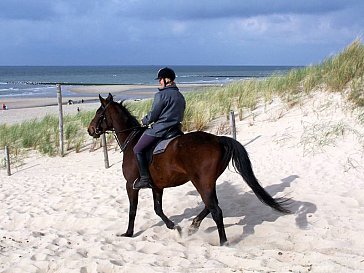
[109,97]
[102,100]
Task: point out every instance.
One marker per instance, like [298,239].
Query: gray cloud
[185,32]
[26,10]
[179,10]
[205,9]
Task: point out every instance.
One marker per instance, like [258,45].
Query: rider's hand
[144,125]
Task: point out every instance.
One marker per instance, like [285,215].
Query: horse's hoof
[192,230]
[126,234]
[179,229]
[170,225]
[226,243]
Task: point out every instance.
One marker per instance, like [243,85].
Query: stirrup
[140,183]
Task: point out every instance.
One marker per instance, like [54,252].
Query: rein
[130,137]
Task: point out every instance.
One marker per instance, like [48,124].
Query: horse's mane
[131,120]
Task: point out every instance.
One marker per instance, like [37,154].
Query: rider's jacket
[167,111]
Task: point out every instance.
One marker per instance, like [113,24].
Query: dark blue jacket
[167,111]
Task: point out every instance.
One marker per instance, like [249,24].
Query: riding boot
[144,181]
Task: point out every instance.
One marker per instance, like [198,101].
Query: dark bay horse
[198,157]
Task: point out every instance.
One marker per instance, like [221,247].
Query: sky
[179,32]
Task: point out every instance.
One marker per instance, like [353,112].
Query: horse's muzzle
[93,132]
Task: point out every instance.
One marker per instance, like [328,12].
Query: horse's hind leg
[157,197]
[196,222]
[211,202]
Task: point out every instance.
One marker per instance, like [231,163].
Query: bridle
[98,130]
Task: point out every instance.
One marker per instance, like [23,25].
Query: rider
[167,111]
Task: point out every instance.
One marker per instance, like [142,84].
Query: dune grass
[343,73]
[43,134]
[319,135]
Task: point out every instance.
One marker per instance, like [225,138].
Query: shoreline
[89,93]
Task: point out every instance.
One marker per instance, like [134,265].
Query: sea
[40,81]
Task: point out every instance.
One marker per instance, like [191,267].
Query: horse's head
[102,120]
[111,116]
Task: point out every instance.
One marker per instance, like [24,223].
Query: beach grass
[319,135]
[343,73]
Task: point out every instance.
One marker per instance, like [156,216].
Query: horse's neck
[127,141]
[122,133]
[125,133]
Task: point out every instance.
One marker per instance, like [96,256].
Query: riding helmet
[166,72]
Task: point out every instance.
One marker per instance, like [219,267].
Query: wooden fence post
[59,97]
[104,147]
[7,160]
[232,124]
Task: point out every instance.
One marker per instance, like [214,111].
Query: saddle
[162,144]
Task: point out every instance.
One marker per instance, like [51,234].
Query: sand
[63,214]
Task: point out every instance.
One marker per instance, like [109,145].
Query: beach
[83,98]
[63,214]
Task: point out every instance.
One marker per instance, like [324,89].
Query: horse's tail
[241,162]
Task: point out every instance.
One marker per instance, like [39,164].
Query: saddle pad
[161,146]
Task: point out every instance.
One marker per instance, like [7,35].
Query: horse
[198,156]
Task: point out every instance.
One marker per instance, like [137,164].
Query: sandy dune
[63,214]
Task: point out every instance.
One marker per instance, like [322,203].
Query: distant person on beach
[167,111]
[4,107]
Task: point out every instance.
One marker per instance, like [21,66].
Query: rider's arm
[155,111]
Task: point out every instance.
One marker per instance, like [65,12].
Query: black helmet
[166,72]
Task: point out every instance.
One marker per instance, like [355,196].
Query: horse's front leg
[133,196]
[157,197]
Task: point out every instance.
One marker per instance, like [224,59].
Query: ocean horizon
[40,81]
